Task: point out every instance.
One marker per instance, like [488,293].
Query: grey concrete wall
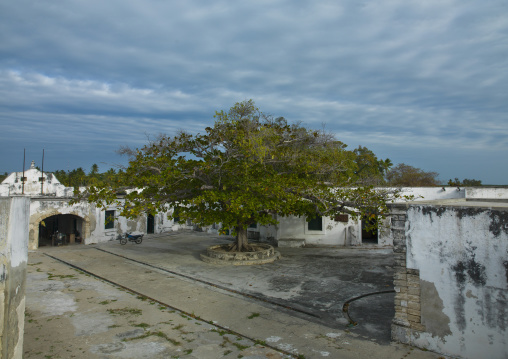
[14,219]
[451,278]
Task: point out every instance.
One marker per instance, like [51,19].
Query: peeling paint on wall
[433,318]
[461,253]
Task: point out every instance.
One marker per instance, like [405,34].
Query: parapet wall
[451,277]
[14,217]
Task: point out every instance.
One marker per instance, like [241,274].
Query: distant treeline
[79,178]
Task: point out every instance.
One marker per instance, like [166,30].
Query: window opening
[110,220]
[315,224]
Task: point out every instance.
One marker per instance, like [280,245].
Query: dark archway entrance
[369,236]
[61,229]
[150,224]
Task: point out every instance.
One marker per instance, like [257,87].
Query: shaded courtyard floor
[167,303]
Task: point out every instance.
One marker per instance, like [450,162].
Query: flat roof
[459,202]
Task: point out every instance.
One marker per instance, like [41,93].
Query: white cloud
[398,73]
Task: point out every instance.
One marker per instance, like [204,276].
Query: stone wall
[406,282]
[14,217]
[451,277]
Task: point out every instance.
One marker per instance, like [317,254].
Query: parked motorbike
[137,238]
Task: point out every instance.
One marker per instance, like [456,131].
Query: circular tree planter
[264,253]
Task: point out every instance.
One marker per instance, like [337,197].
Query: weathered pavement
[98,320]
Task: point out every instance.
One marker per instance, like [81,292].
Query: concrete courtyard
[159,300]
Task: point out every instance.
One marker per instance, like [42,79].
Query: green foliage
[409,176]
[370,170]
[78,178]
[466,182]
[248,168]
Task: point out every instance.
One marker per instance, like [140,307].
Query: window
[315,224]
[110,220]
[253,225]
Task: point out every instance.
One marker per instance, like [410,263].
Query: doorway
[369,235]
[150,224]
[60,229]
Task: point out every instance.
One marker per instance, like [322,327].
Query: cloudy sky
[420,82]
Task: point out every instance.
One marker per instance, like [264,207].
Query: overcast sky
[420,82]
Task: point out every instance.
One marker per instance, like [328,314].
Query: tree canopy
[370,170]
[409,176]
[247,168]
[78,177]
[466,182]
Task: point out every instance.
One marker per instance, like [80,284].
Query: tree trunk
[242,243]
[241,239]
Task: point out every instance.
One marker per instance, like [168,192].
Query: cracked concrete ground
[73,315]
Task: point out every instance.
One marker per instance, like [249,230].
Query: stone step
[291,242]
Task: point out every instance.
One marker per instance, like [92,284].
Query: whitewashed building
[343,231]
[53,220]
[51,212]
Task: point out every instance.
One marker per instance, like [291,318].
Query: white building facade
[54,221]
[51,213]
[344,231]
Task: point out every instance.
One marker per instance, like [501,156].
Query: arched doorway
[70,226]
[60,229]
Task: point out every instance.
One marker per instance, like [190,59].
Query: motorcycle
[137,238]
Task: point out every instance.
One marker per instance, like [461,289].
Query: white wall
[12,185]
[433,193]
[350,233]
[94,218]
[293,227]
[133,226]
[462,255]
[486,193]
[13,264]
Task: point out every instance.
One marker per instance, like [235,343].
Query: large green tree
[370,170]
[247,168]
[409,176]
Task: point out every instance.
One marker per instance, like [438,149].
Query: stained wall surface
[14,217]
[453,294]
